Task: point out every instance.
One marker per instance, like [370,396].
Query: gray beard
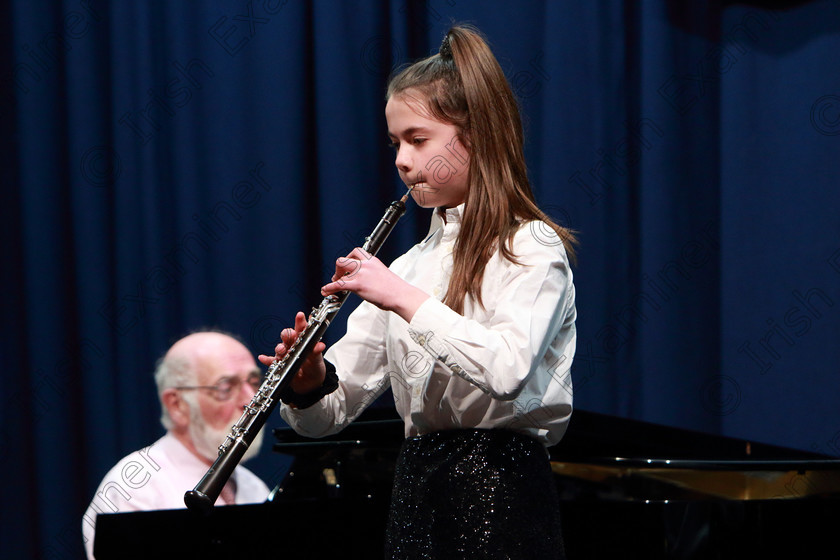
[207,440]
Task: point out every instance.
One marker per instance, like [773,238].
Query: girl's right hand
[313,371]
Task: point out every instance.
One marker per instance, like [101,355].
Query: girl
[473,329]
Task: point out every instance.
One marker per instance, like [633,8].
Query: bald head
[203,349]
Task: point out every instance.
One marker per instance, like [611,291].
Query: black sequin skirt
[474,494]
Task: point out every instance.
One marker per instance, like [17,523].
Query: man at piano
[203,381]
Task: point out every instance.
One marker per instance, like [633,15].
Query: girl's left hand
[365,275]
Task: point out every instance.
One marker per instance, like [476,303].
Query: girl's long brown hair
[464,85]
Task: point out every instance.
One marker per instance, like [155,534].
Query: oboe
[278,376]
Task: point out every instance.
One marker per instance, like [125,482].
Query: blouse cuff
[433,319]
[430,327]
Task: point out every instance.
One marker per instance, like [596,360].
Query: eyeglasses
[226,387]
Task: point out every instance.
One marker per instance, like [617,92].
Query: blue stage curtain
[169,166]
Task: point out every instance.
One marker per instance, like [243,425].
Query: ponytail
[464,85]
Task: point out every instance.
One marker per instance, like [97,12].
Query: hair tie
[445,48]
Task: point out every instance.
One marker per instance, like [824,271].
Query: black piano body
[632,489]
[628,489]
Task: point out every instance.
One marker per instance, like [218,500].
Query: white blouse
[506,365]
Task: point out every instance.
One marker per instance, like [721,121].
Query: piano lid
[611,458]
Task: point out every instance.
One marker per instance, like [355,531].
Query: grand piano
[628,489]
